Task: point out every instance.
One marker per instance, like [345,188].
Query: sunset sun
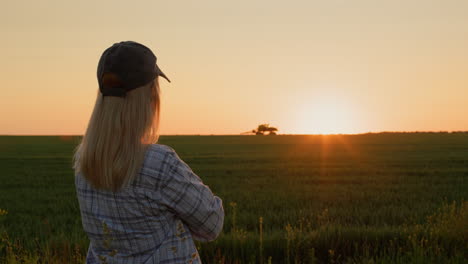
[326,116]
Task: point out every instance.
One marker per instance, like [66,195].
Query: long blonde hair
[119,131]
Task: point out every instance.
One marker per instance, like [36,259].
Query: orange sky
[303,66]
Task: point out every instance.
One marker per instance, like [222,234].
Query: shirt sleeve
[192,201]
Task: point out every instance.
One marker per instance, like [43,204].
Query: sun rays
[326,114]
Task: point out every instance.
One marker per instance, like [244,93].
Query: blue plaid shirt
[155,218]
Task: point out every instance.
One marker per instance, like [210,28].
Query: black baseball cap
[125,66]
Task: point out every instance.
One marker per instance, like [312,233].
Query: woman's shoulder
[157,164]
[160,149]
[159,154]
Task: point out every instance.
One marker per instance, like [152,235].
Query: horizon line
[285,134]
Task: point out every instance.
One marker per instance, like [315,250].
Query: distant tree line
[263,129]
[266,129]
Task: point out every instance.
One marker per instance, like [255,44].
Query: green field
[374,198]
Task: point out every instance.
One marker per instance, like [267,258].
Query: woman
[139,202]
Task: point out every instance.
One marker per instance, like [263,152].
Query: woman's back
[155,218]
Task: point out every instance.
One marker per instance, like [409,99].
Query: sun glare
[330,116]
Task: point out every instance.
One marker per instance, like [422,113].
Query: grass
[373,198]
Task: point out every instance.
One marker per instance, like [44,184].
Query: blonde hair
[119,131]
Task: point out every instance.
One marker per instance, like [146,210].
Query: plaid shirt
[155,218]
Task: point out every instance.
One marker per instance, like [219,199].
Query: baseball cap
[125,66]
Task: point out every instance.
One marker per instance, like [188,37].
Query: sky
[303,66]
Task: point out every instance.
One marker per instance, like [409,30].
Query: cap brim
[160,73]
